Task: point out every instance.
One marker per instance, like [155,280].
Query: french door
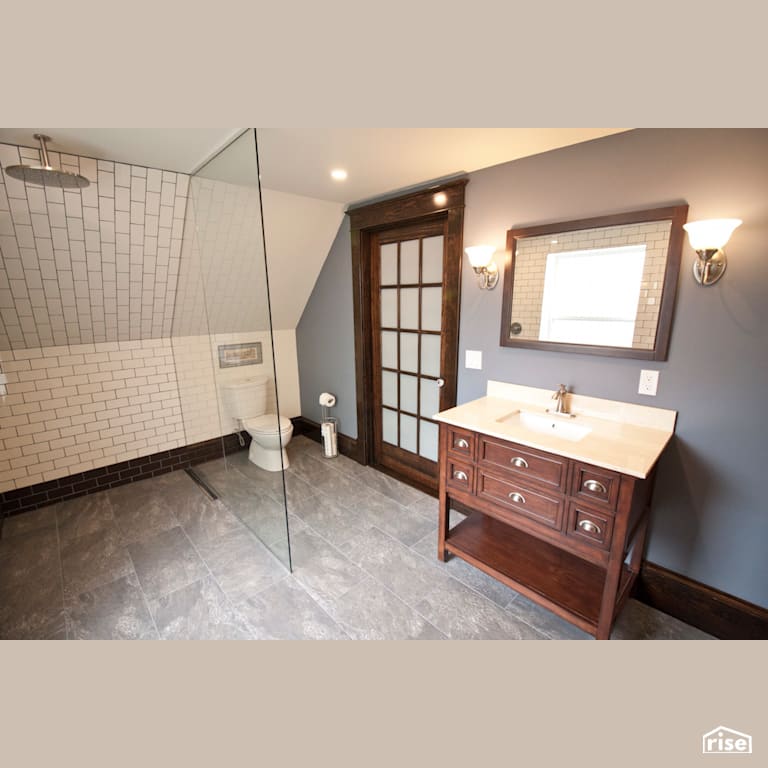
[406,280]
[413,312]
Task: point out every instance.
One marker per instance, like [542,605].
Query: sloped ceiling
[299,233]
[106,263]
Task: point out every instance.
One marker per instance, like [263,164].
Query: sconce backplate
[709,271]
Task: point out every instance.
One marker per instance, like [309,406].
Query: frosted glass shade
[710,233]
[480,255]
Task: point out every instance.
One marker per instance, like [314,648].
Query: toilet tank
[245,399]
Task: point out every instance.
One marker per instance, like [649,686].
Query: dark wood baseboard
[718,613]
[347,445]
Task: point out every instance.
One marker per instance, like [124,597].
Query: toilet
[246,402]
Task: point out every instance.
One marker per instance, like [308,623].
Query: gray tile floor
[159,559]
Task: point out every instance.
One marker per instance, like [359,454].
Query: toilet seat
[267,424]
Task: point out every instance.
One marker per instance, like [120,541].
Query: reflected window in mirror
[602,286]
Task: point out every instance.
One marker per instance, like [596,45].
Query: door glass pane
[389,308]
[389,264]
[409,262]
[428,433]
[432,260]
[389,426]
[389,349]
[389,388]
[408,433]
[430,398]
[408,390]
[409,352]
[430,355]
[431,308]
[409,307]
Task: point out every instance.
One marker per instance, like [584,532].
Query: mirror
[601,286]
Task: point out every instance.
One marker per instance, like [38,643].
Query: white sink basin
[545,424]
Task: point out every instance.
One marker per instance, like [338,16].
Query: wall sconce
[481,259]
[708,238]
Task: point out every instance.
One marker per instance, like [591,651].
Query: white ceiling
[381,160]
[299,160]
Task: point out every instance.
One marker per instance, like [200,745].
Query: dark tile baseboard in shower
[100,479]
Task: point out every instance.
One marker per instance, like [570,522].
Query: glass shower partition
[223,343]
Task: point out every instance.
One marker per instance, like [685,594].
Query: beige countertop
[624,437]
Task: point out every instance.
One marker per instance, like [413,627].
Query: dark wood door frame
[444,201]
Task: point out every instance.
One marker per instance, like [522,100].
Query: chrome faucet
[560,397]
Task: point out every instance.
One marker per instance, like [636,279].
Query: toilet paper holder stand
[328,427]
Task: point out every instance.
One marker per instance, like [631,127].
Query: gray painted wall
[710,518]
[325,339]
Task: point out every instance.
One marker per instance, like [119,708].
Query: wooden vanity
[567,533]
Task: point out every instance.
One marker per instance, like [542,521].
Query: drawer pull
[518,498]
[459,475]
[461,443]
[519,462]
[595,487]
[590,527]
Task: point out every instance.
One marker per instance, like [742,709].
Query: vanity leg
[615,561]
[445,509]
[442,527]
[638,546]
[608,605]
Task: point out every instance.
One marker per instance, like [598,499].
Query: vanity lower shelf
[554,577]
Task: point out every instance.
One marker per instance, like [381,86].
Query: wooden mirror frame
[676,214]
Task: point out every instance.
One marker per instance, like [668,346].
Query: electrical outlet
[473,359]
[649,383]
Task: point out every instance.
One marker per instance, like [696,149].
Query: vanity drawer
[589,525]
[595,485]
[460,474]
[520,463]
[532,504]
[461,442]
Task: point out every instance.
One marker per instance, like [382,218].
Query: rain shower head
[44,174]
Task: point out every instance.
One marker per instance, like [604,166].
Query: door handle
[441,383]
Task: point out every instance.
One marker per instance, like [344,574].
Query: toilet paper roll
[327,399]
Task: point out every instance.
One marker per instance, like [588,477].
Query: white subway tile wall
[223,252]
[100,368]
[74,408]
[197,387]
[93,265]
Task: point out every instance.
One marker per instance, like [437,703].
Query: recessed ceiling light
[338,174]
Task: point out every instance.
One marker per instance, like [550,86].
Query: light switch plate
[649,383]
[473,359]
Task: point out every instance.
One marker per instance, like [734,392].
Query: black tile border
[100,479]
